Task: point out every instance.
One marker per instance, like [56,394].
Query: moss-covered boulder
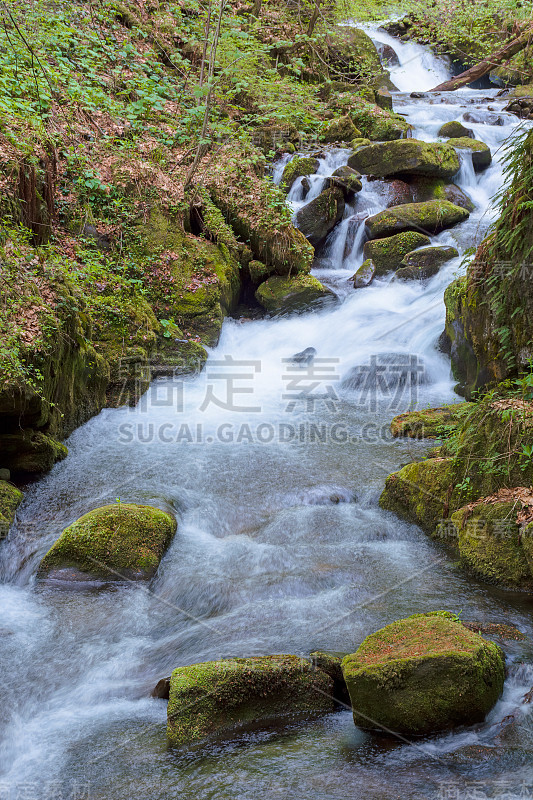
[429,218]
[30,452]
[346,179]
[356,144]
[298,167]
[316,219]
[378,124]
[221,696]
[421,492]
[280,295]
[341,129]
[258,272]
[491,543]
[10,499]
[352,52]
[387,254]
[122,541]
[364,275]
[455,130]
[426,262]
[422,675]
[423,189]
[481,155]
[406,157]
[429,423]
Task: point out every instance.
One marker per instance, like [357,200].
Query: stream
[281,545]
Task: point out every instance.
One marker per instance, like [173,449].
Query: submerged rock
[424,263]
[221,696]
[481,155]
[305,357]
[298,167]
[455,129]
[430,217]
[484,118]
[364,275]
[422,675]
[406,157]
[387,254]
[285,295]
[115,542]
[316,219]
[10,499]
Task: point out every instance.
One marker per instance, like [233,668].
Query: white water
[264,560]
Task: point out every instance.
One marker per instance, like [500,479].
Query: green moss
[388,253]
[454,130]
[490,544]
[10,499]
[288,295]
[217,696]
[431,217]
[125,538]
[429,423]
[423,674]
[30,451]
[317,218]
[341,129]
[378,124]
[364,275]
[406,157]
[421,492]
[298,167]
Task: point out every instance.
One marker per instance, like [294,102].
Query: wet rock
[522,107]
[115,542]
[346,179]
[364,275]
[387,254]
[384,97]
[420,492]
[430,217]
[330,663]
[356,144]
[388,55]
[341,129]
[298,167]
[430,423]
[426,262]
[455,130]
[305,357]
[10,499]
[316,219]
[5,475]
[29,451]
[481,155]
[423,189]
[423,674]
[280,295]
[406,157]
[162,689]
[222,696]
[258,272]
[392,191]
[483,118]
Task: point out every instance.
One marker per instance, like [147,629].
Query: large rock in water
[115,542]
[316,219]
[347,180]
[423,189]
[426,262]
[364,275]
[455,129]
[10,499]
[387,254]
[406,157]
[341,129]
[481,155]
[429,218]
[298,167]
[219,696]
[285,295]
[423,674]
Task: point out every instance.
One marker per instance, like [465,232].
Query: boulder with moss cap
[114,542]
[406,157]
[341,129]
[10,499]
[481,155]
[422,675]
[298,167]
[431,217]
[280,295]
[317,218]
[222,696]
[388,253]
[455,130]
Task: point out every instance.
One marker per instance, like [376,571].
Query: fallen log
[494,60]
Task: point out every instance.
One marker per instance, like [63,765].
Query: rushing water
[281,545]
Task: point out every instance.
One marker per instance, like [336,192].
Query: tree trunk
[487,64]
